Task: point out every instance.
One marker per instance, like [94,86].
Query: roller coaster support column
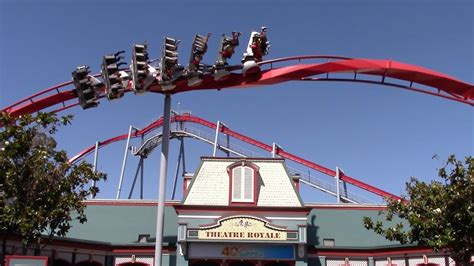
[216,139]
[228,145]
[180,158]
[140,166]
[160,215]
[338,192]
[344,185]
[124,163]
[275,148]
[141,172]
[96,156]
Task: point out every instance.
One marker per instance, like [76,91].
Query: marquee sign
[242,228]
[238,251]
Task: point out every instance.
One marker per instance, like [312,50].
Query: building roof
[133,222]
[210,185]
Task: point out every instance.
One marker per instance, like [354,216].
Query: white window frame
[242,184]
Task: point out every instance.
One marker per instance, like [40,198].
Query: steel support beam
[141,173]
[338,192]
[184,161]
[181,154]
[228,145]
[275,148]
[160,215]
[124,163]
[135,178]
[96,158]
[216,138]
[344,185]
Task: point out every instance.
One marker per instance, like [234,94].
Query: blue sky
[379,135]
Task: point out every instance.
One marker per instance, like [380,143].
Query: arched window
[243,181]
[243,185]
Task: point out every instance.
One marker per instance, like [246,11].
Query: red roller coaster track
[197,120]
[437,84]
[434,83]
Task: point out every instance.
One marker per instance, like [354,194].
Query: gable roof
[211,183]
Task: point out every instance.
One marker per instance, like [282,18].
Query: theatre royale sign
[242,228]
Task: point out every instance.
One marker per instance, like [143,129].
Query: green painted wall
[122,225]
[345,227]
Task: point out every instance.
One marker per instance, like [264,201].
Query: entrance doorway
[238,263]
[242,263]
[205,263]
[133,264]
[280,263]
[88,263]
[60,262]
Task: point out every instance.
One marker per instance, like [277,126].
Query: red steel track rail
[246,139]
[293,69]
[439,84]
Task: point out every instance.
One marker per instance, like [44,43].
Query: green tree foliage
[440,214]
[40,192]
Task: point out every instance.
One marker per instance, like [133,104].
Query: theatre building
[235,211]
